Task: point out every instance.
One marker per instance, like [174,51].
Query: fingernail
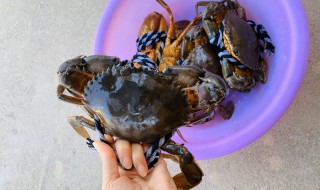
[142,170]
[126,163]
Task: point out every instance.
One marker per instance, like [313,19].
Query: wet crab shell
[241,41]
[137,105]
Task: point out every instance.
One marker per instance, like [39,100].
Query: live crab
[136,104]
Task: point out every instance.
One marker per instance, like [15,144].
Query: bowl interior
[255,112]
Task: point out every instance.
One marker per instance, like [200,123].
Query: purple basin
[255,112]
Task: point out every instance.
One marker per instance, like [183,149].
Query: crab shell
[137,105]
[241,41]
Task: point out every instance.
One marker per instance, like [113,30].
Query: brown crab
[171,50]
[153,22]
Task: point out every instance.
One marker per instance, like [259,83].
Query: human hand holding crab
[130,155]
[115,177]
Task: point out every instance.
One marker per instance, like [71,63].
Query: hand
[115,177]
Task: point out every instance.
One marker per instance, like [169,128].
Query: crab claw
[213,88]
[191,174]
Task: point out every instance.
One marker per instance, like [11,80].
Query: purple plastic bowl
[255,112]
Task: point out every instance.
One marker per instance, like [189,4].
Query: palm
[115,177]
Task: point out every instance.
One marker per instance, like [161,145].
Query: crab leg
[194,21]
[204,116]
[261,75]
[78,123]
[171,52]
[200,4]
[225,111]
[237,78]
[240,10]
[191,173]
[171,30]
[70,99]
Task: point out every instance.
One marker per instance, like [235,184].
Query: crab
[140,105]
[194,37]
[196,50]
[205,91]
[239,39]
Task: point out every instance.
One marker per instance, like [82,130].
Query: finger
[128,173]
[109,163]
[161,166]
[139,161]
[109,139]
[123,148]
[146,147]
[161,173]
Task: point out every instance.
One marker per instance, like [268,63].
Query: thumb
[109,163]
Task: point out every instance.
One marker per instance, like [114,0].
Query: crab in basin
[197,51]
[140,105]
[167,52]
[240,45]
